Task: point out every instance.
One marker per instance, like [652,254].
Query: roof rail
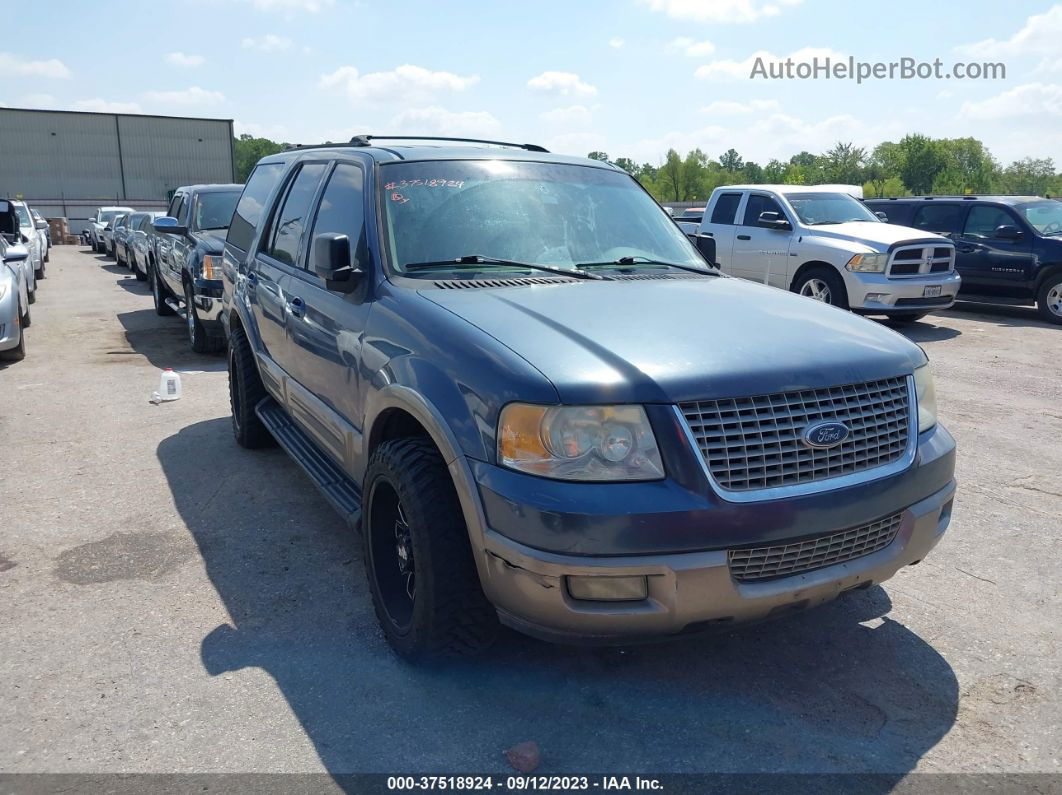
[365,140]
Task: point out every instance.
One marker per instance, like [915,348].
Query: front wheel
[201,337]
[1049,299]
[418,559]
[823,285]
[246,391]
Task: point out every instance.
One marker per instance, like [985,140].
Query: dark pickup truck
[184,264]
[543,407]
[1008,249]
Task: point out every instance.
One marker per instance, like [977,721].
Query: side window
[342,210]
[175,204]
[182,211]
[291,219]
[726,208]
[760,204]
[252,204]
[983,220]
[943,218]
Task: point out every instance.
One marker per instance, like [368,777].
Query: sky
[629,77]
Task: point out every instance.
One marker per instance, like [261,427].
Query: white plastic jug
[169,385]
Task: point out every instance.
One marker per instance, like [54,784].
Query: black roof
[998,199]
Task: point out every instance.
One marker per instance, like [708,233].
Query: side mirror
[41,224]
[168,225]
[772,220]
[706,245]
[332,262]
[1007,232]
[16,254]
[882,216]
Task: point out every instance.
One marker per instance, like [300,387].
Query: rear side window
[942,218]
[175,204]
[726,208]
[292,218]
[984,219]
[252,204]
[342,210]
[760,204]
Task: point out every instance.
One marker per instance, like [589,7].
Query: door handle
[744,237]
[252,280]
[296,307]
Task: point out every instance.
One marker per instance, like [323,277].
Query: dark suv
[541,405]
[1008,249]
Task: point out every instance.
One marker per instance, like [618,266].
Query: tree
[671,176]
[627,165]
[1029,176]
[248,150]
[731,161]
[602,156]
[922,162]
[844,164]
[968,167]
[753,173]
[774,171]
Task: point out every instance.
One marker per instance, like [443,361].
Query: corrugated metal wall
[107,158]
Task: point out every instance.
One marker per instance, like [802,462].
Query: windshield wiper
[477,259]
[648,261]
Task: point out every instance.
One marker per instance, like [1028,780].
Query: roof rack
[365,140]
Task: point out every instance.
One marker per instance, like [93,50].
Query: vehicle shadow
[841,689]
[1000,314]
[131,284]
[926,331]
[163,341]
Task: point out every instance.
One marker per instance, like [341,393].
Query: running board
[333,482]
[176,306]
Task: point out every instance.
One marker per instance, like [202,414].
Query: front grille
[766,563]
[758,442]
[916,259]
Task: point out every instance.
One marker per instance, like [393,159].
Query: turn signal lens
[211,267]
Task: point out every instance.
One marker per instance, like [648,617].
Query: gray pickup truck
[543,407]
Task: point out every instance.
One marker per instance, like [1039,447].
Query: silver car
[11,229]
[14,301]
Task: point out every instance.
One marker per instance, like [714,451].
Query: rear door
[997,265]
[164,242]
[719,223]
[759,252]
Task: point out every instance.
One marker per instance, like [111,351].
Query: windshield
[1045,217]
[214,210]
[106,216]
[828,208]
[540,213]
[23,216]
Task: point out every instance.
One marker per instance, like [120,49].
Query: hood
[874,234]
[683,339]
[212,241]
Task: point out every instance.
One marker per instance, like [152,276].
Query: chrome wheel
[1054,300]
[817,289]
[189,313]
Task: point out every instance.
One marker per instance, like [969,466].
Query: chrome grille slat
[919,259]
[757,442]
[781,560]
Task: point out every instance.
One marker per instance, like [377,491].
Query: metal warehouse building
[68,163]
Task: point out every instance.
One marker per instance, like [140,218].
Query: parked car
[14,301]
[98,224]
[541,406]
[108,234]
[186,277]
[34,238]
[689,219]
[15,233]
[41,223]
[119,236]
[1008,248]
[824,244]
[141,243]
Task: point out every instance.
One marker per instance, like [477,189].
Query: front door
[988,262]
[760,252]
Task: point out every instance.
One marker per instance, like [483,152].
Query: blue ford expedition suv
[543,408]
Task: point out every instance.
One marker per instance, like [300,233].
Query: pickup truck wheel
[822,285]
[203,338]
[1049,299]
[158,295]
[423,578]
[245,392]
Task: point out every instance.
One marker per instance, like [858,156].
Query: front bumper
[10,327]
[687,592]
[874,293]
[207,297]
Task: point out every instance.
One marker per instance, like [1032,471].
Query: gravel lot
[173,603]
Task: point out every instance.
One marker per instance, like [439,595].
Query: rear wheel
[822,285]
[245,392]
[159,294]
[1049,299]
[423,578]
[140,275]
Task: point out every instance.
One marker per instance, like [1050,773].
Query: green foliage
[249,150]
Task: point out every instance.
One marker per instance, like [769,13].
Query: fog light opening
[607,588]
[877,298]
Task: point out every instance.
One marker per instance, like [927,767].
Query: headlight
[211,266]
[926,396]
[579,442]
[868,263]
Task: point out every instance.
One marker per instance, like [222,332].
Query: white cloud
[98,105]
[563,83]
[691,47]
[616,42]
[720,10]
[184,59]
[38,101]
[1031,99]
[189,96]
[289,7]
[17,65]
[440,121]
[405,84]
[270,42]
[741,70]
[1039,36]
[572,116]
[723,107]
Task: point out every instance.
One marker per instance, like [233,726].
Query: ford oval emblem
[823,435]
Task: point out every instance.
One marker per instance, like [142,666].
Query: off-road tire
[450,616]
[1051,283]
[203,337]
[245,392]
[838,292]
[159,294]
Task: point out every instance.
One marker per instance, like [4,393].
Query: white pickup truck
[821,242]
